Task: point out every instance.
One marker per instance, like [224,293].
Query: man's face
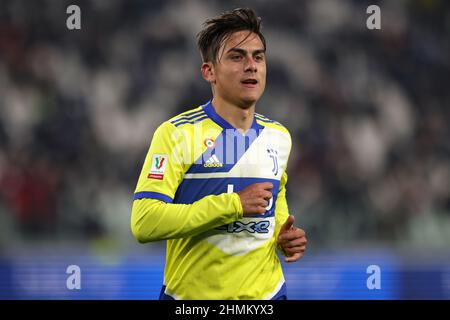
[239,74]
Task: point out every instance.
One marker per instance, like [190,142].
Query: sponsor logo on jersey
[251,227]
[213,162]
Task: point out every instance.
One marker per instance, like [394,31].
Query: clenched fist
[255,198]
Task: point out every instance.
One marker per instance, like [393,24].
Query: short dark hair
[217,30]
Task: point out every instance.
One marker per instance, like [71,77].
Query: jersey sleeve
[281,208]
[163,168]
[153,220]
[153,215]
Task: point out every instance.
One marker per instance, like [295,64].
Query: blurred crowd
[368,111]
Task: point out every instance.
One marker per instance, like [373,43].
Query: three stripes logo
[213,162]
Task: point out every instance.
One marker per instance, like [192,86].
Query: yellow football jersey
[187,195]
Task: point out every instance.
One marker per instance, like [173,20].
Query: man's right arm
[153,220]
[154,216]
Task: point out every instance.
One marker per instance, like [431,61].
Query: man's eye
[237,58]
[259,58]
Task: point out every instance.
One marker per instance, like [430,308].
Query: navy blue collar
[211,112]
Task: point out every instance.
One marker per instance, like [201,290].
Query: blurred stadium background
[369,111]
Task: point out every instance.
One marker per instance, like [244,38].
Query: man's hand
[292,240]
[255,198]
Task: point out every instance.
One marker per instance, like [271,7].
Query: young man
[214,180]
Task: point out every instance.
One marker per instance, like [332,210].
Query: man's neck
[240,118]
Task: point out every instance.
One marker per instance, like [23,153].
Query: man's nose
[250,65]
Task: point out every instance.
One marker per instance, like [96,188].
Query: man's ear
[208,72]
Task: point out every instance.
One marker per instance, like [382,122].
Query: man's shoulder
[190,116]
[266,122]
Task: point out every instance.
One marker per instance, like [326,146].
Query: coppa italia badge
[159,164]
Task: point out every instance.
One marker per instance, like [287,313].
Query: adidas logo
[213,162]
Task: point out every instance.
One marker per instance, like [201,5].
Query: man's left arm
[291,241]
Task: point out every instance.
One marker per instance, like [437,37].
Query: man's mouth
[249,82]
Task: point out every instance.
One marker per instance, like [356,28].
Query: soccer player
[213,183]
